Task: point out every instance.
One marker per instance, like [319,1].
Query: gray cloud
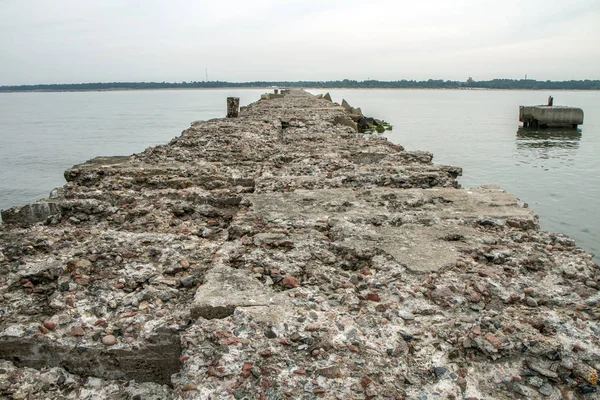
[109,40]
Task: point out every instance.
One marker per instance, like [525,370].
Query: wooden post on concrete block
[233,107]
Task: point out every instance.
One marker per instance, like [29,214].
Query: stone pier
[282,254]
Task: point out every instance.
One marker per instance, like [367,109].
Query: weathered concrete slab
[225,289]
[422,229]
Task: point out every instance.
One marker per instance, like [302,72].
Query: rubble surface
[282,254]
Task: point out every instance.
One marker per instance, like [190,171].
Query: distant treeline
[346,83]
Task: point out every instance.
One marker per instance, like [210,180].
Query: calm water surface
[42,134]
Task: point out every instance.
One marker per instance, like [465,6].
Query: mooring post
[233,107]
[550,100]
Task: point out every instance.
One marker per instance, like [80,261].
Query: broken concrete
[283,254]
[31,213]
[154,363]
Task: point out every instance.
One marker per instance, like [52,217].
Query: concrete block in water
[30,213]
[550,116]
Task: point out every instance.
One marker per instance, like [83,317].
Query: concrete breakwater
[282,255]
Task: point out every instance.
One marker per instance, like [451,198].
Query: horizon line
[294,81]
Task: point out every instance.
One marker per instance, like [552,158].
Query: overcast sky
[69,41]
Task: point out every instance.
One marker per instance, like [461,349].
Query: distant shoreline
[470,84]
[271,88]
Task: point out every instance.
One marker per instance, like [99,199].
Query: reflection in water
[535,145]
[564,138]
